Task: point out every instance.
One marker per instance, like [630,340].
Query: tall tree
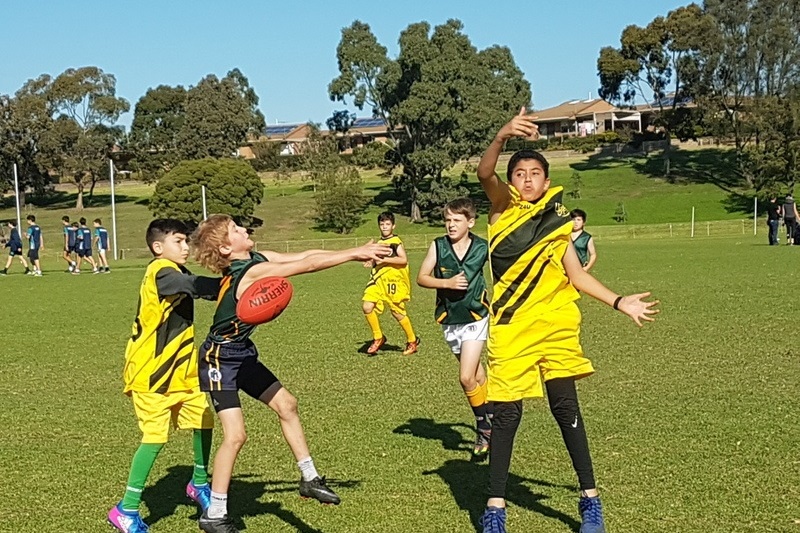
[219,115]
[86,97]
[441,97]
[158,118]
[655,61]
[339,123]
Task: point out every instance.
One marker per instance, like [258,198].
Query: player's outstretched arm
[426,279]
[634,305]
[277,257]
[312,263]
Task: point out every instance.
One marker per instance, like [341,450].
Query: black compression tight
[563,399]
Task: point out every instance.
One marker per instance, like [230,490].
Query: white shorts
[455,334]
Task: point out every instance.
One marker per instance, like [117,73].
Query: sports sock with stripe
[477,400]
[143,461]
[201,441]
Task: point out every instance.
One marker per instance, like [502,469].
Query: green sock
[202,451]
[143,461]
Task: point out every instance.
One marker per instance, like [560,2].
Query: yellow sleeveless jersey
[395,282]
[161,356]
[526,248]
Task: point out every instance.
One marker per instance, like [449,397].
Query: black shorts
[33,255]
[69,250]
[84,252]
[14,251]
[231,367]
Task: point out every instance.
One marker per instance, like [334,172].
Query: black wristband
[616,303]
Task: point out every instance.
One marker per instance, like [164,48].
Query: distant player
[101,241]
[454,267]
[582,240]
[69,243]
[229,359]
[14,245]
[35,244]
[534,330]
[790,218]
[83,247]
[161,369]
[389,285]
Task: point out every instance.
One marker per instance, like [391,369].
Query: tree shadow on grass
[447,433]
[167,493]
[66,201]
[460,476]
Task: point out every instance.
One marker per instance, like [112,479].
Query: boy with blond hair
[229,359]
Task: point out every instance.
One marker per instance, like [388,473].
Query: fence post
[708,228]
[670,230]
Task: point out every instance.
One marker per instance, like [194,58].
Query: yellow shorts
[157,413]
[523,354]
[382,298]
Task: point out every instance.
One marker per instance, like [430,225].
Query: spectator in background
[790,217]
[774,213]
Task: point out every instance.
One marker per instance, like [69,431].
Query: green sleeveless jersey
[581,245]
[226,326]
[461,307]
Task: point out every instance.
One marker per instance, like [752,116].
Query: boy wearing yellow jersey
[161,369]
[534,325]
[389,285]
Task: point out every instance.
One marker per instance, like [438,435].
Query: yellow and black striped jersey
[527,246]
[160,356]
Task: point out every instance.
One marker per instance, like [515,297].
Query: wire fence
[675,230]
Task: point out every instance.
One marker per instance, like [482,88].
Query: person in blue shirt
[35,244]
[14,245]
[69,243]
[101,241]
[83,247]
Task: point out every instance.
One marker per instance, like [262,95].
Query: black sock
[507,416]
[563,399]
[481,420]
[489,410]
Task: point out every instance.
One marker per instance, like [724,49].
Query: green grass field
[692,420]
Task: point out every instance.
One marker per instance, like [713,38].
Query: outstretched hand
[372,252]
[636,307]
[522,125]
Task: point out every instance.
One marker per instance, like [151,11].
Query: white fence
[675,230]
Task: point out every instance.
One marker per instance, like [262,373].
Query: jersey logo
[444,270]
[214,375]
[561,210]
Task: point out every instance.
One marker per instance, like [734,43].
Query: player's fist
[459,282]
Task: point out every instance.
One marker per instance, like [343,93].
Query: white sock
[307,469]
[219,505]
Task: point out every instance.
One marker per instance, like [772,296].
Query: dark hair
[74,224]
[575,213]
[65,218]
[32,218]
[98,221]
[12,223]
[461,206]
[527,154]
[386,215]
[163,227]
[83,221]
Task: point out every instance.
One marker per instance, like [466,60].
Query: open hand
[458,282]
[637,308]
[372,252]
[522,125]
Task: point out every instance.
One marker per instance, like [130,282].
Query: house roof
[572,109]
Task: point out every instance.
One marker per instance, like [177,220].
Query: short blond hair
[207,239]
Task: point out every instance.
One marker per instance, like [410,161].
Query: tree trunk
[21,197]
[79,201]
[416,216]
[667,157]
[91,188]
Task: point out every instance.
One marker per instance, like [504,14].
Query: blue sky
[288,49]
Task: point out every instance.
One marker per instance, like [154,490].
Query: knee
[235,439]
[565,410]
[287,407]
[367,307]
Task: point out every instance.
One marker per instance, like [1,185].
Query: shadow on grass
[385,348]
[460,476]
[447,433]
[168,492]
[66,201]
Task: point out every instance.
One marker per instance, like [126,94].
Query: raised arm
[496,189]
[311,263]
[276,257]
[633,305]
